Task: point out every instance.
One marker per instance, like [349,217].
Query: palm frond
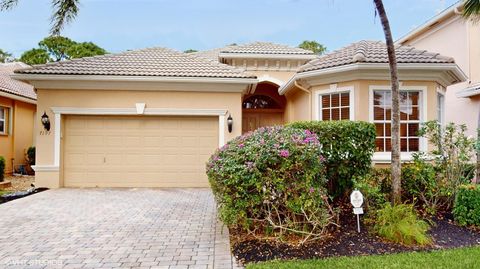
[471,9]
[64,11]
[7,4]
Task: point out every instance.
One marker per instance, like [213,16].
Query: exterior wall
[274,76]
[122,99]
[459,39]
[298,106]
[303,106]
[20,137]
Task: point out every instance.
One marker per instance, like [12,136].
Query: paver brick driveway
[110,228]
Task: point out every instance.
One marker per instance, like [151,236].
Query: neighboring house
[151,118]
[450,34]
[17,113]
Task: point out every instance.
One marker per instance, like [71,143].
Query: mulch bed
[346,241]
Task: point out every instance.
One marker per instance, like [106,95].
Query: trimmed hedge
[2,168]
[466,208]
[347,146]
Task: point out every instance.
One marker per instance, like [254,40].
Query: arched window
[260,102]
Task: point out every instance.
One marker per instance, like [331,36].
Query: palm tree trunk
[396,164]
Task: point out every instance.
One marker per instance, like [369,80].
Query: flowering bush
[271,182]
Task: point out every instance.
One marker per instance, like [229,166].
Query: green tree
[63,12]
[35,56]
[58,48]
[471,10]
[314,46]
[396,165]
[84,49]
[5,57]
[190,51]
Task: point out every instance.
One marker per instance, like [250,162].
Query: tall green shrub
[347,146]
[2,168]
[272,182]
[466,209]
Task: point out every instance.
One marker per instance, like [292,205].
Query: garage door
[137,151]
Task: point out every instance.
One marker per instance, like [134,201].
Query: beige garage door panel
[138,151]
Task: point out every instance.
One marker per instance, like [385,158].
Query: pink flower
[312,190]
[284,153]
[241,145]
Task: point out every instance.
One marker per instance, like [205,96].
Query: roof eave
[424,27]
[469,92]
[16,97]
[44,77]
[454,71]
[228,55]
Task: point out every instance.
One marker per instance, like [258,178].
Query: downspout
[309,96]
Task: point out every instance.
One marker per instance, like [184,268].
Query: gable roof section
[210,55]
[14,87]
[266,48]
[372,56]
[151,62]
[372,52]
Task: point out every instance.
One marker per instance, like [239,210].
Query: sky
[119,25]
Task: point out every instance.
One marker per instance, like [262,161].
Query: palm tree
[396,165]
[471,10]
[64,11]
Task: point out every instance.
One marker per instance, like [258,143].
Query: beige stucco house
[17,113]
[151,118]
[450,34]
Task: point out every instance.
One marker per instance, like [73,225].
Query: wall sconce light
[45,121]
[230,123]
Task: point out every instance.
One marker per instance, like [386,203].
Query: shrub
[31,156]
[421,183]
[348,147]
[2,168]
[271,181]
[434,179]
[466,209]
[400,224]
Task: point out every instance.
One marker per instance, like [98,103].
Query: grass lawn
[454,258]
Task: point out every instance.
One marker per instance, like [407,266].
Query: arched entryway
[265,107]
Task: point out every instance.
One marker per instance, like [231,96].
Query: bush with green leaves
[434,178]
[271,182]
[466,209]
[400,224]
[348,147]
[2,168]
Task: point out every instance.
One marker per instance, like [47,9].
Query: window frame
[385,156]
[6,120]
[334,90]
[440,109]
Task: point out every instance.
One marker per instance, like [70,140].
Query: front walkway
[113,228]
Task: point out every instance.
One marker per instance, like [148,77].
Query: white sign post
[356,199]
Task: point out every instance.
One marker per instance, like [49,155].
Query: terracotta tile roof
[156,62]
[212,54]
[12,86]
[266,48]
[372,52]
